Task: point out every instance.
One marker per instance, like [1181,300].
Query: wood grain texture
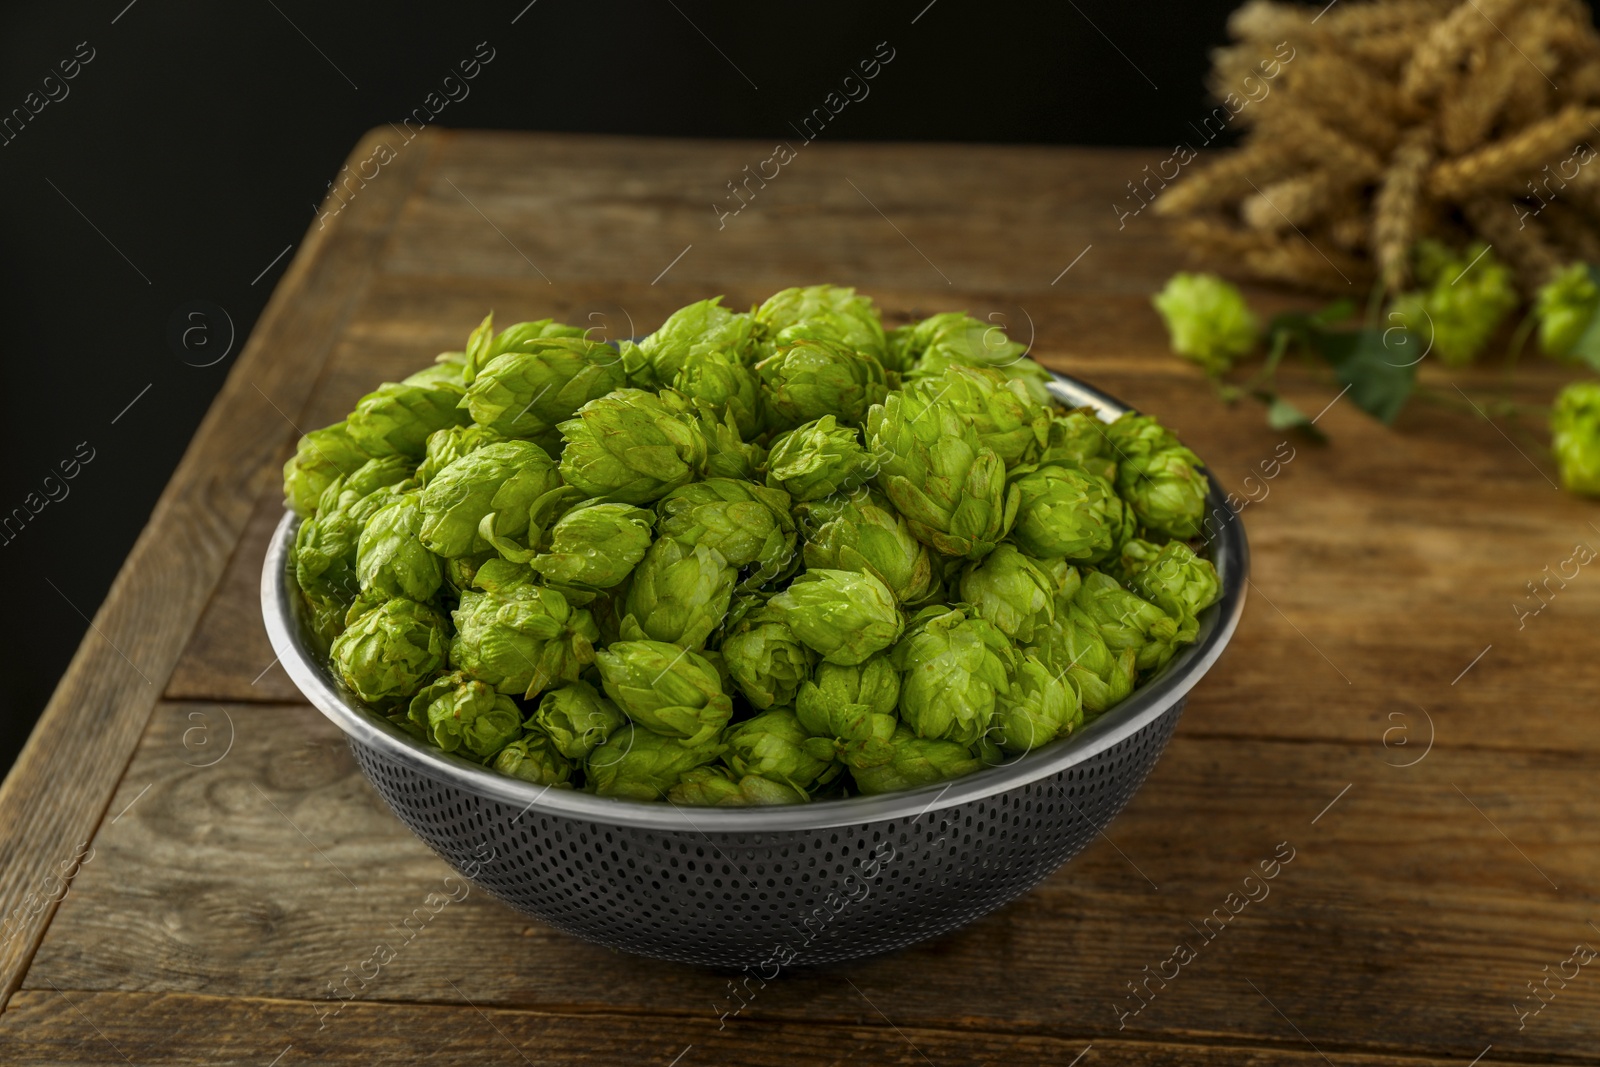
[1404,923]
[56,793]
[58,1029]
[223,896]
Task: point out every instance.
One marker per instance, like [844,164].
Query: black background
[193,148]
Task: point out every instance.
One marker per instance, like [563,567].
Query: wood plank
[1406,922]
[54,796]
[59,1028]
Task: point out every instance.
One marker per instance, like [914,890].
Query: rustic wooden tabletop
[190,862]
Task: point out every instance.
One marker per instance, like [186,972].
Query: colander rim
[286,631]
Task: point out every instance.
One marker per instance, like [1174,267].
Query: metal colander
[767,887]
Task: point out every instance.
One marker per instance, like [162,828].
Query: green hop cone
[397,418]
[445,370]
[765,658]
[1170,576]
[639,764]
[810,378]
[391,559]
[726,384]
[1128,621]
[700,328]
[450,444]
[950,486]
[466,716]
[520,638]
[534,758]
[387,654]
[951,666]
[850,711]
[843,616]
[1462,302]
[727,454]
[666,689]
[773,745]
[677,594]
[1040,706]
[862,532]
[595,546]
[577,719]
[817,460]
[750,525]
[1012,591]
[915,761]
[1080,437]
[956,339]
[1564,306]
[325,544]
[1007,418]
[1159,478]
[1066,512]
[500,480]
[1073,644]
[527,392]
[715,787]
[320,457]
[1575,437]
[628,447]
[827,311]
[1207,320]
[484,344]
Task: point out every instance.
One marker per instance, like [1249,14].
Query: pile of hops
[1397,120]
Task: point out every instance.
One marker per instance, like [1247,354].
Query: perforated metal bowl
[762,888]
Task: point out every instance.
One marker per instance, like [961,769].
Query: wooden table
[191,862]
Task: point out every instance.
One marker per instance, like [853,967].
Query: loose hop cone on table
[1397,120]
